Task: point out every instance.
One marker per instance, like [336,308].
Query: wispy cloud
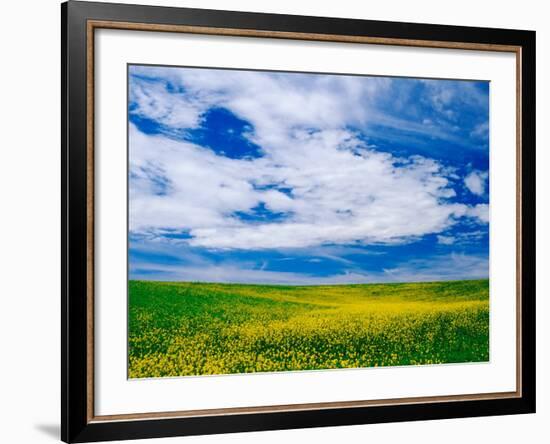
[445,240]
[453,266]
[446,267]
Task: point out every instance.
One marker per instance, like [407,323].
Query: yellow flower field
[179,329]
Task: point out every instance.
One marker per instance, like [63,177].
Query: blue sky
[293,178]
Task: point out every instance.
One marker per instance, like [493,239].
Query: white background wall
[30,208]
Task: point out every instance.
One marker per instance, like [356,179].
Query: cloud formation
[339,190]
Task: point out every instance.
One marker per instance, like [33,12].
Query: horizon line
[309,285]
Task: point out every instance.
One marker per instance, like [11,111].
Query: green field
[178,329]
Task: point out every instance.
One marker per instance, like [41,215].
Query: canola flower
[179,329]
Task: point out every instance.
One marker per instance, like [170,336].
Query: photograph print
[285,221]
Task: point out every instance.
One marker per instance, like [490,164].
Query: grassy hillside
[178,329]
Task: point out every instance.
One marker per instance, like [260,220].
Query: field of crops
[178,329]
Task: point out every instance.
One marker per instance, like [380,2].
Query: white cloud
[337,196]
[480,211]
[445,240]
[466,237]
[476,182]
[343,192]
[268,100]
[153,101]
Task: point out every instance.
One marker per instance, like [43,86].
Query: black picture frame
[77,425]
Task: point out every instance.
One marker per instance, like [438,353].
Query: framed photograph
[275,221]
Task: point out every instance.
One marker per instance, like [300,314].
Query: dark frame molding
[78,19]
